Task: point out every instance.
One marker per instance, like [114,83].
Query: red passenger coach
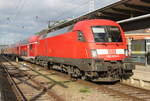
[32,46]
[90,49]
[27,48]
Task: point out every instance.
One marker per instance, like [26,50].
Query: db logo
[112,51]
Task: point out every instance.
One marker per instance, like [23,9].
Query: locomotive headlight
[120,51]
[94,53]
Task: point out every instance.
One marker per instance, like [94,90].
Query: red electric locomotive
[91,49]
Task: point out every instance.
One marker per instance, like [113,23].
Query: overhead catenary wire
[104,3]
[65,12]
[10,19]
[72,9]
[18,5]
[19,9]
[21,3]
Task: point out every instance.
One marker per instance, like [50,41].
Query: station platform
[142,68]
[141,77]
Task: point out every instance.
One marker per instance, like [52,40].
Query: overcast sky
[20,19]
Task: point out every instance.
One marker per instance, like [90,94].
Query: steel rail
[138,88]
[49,92]
[46,89]
[15,88]
[110,91]
[56,82]
[99,87]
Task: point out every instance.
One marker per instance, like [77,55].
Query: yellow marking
[138,52]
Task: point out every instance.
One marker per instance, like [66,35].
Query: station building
[139,46]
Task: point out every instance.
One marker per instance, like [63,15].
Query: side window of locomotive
[60,31]
[80,36]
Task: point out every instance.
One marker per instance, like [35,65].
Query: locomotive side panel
[41,48]
[65,46]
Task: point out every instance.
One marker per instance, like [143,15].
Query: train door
[32,49]
[24,50]
[28,50]
[80,50]
[18,50]
[148,51]
[46,47]
[40,48]
[138,53]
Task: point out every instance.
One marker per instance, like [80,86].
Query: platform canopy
[122,11]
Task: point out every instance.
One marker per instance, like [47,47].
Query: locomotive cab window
[106,34]
[115,33]
[81,36]
[99,33]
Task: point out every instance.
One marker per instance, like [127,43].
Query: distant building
[139,45]
[138,34]
[3,46]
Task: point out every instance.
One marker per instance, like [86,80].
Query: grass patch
[85,90]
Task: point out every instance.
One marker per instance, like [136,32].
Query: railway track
[15,88]
[27,83]
[137,94]
[120,91]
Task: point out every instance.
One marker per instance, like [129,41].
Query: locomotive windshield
[107,34]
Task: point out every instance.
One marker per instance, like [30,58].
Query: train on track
[93,49]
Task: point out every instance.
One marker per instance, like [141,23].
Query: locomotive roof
[33,38]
